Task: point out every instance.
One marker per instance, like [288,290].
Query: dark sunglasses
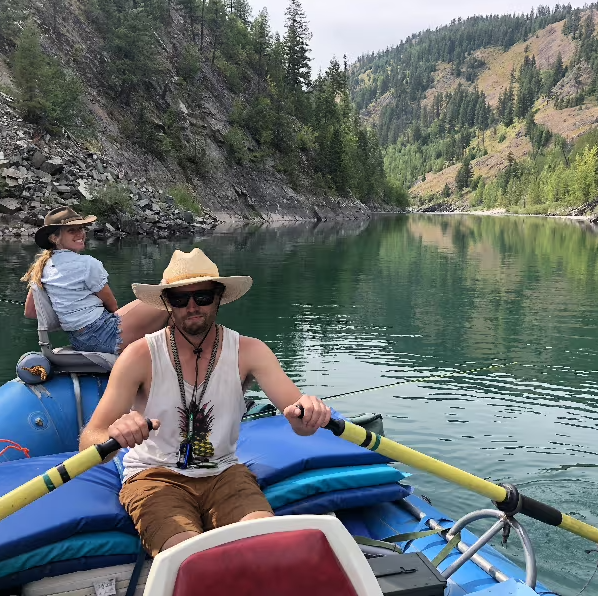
[201,297]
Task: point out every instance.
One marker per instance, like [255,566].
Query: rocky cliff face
[38,172]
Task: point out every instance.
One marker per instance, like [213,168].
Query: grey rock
[11,173]
[9,206]
[52,166]
[83,190]
[110,228]
[38,159]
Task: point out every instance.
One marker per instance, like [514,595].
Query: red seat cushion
[299,563]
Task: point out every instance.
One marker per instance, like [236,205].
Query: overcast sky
[355,27]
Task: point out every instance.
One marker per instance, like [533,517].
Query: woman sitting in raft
[77,286]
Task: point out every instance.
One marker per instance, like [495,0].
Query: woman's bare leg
[138,319]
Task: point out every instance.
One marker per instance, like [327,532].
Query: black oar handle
[336,427]
[112,445]
[515,503]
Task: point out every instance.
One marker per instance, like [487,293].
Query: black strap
[136,572]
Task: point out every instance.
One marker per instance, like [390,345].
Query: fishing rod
[8,301]
[506,497]
[55,477]
[420,380]
[407,381]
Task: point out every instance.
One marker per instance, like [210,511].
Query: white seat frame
[64,360]
[163,574]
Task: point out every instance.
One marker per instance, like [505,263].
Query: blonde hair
[33,277]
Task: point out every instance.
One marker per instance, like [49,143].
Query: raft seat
[294,555]
[65,359]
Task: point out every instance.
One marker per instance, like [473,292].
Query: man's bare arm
[112,416]
[281,391]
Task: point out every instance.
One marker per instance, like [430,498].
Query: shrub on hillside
[48,95]
[110,202]
[185,199]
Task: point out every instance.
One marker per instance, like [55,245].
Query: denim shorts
[103,335]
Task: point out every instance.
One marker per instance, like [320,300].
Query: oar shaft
[395,451]
[52,479]
[55,477]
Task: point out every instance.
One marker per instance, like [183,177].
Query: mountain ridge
[467,109]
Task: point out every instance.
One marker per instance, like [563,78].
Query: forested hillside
[199,93]
[487,112]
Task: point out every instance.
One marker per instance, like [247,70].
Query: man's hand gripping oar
[507,498]
[55,477]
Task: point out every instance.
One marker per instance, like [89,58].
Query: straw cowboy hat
[186,268]
[61,216]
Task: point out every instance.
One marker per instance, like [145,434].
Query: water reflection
[353,305]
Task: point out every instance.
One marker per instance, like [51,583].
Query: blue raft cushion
[346,499]
[312,482]
[273,452]
[97,544]
[88,503]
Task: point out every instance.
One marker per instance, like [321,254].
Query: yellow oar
[507,498]
[45,483]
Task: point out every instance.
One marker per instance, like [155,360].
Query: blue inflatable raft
[80,532]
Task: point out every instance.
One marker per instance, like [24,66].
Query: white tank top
[224,393]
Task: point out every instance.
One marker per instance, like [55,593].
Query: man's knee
[182,536]
[256,515]
[177,539]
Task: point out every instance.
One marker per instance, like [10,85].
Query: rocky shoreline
[584,213]
[39,172]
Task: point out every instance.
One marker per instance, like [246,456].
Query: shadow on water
[353,305]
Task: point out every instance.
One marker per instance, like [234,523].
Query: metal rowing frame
[471,552]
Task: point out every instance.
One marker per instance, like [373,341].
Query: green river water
[354,305]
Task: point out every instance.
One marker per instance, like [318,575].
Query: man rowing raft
[190,379]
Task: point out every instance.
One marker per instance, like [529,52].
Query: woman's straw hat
[61,216]
[186,268]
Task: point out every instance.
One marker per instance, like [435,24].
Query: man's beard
[196,327]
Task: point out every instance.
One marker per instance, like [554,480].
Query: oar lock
[513,504]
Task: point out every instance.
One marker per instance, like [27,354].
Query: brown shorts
[163,503]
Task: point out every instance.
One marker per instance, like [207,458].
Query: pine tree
[11,12]
[191,11]
[464,174]
[296,48]
[242,10]
[558,70]
[48,95]
[216,21]
[131,45]
[261,38]
[29,70]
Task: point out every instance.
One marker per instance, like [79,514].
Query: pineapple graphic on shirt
[202,426]
[196,426]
